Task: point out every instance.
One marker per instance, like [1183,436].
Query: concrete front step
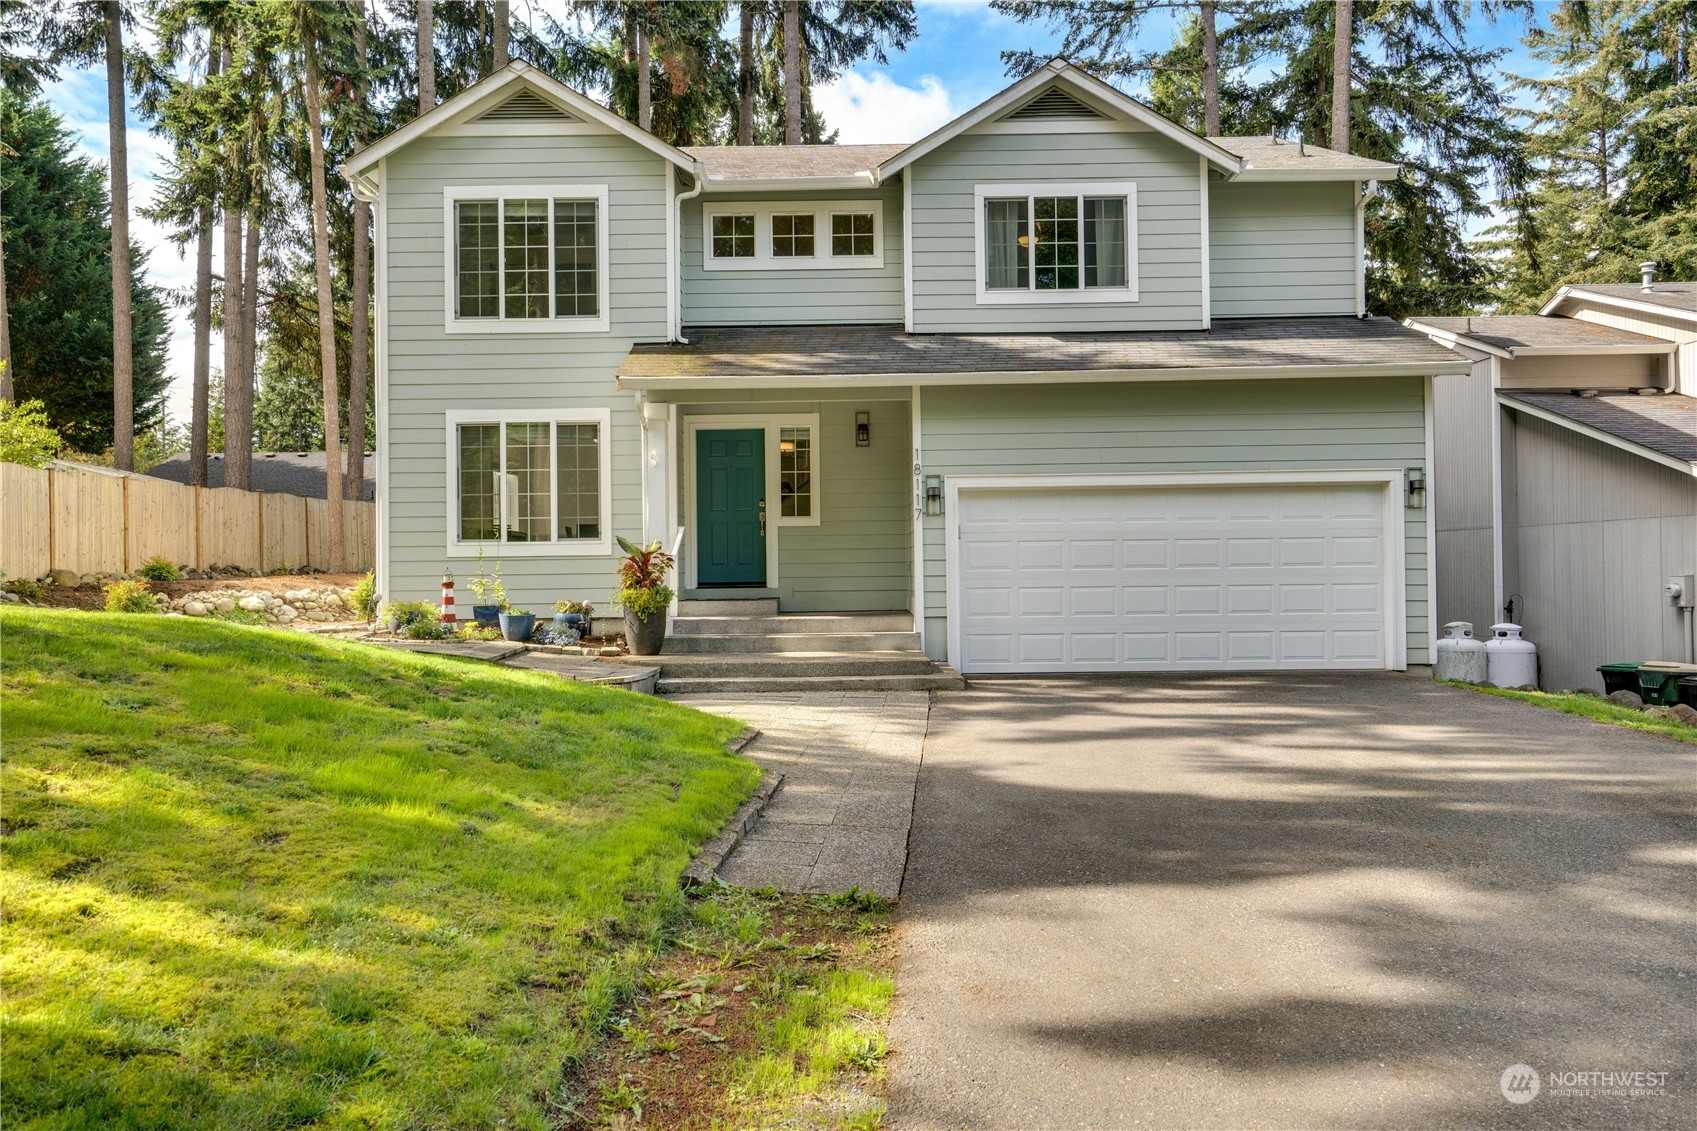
[944,678]
[787,624]
[792,665]
[729,607]
[737,643]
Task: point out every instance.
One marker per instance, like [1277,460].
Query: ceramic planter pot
[644,635]
[517,626]
[487,616]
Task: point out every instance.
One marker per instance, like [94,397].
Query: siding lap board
[1281,250]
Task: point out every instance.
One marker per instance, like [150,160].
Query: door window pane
[795,472]
[733,237]
[575,291]
[792,236]
[527,487]
[851,234]
[579,447]
[1006,243]
[480,476]
[1055,235]
[1104,242]
[525,229]
[477,259]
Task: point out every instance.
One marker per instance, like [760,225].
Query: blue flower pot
[562,620]
[577,621]
[518,626]
[487,616]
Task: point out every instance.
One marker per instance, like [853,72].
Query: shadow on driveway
[1291,901]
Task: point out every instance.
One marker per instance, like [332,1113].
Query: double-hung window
[527,259]
[1057,243]
[534,482]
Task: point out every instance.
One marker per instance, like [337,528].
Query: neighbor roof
[285,473]
[1665,424]
[1536,333]
[774,162]
[1677,298]
[1265,154]
[781,354]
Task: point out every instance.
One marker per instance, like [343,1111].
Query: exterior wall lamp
[862,429]
[933,494]
[1416,497]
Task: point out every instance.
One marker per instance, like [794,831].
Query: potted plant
[517,624]
[491,593]
[572,614]
[644,596]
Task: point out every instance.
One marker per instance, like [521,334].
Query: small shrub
[365,597]
[130,596]
[158,569]
[644,603]
[475,632]
[416,620]
[422,630]
[26,588]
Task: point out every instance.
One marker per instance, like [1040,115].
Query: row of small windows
[794,235]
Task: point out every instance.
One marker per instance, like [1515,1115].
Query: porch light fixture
[1416,488]
[862,429]
[933,494]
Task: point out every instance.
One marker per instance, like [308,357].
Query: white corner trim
[918,472]
[1360,252]
[821,210]
[1599,435]
[1084,296]
[1499,564]
[1207,266]
[380,392]
[1431,513]
[574,548]
[1395,576]
[600,324]
[907,250]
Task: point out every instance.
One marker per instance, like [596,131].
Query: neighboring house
[282,473]
[1069,386]
[1565,478]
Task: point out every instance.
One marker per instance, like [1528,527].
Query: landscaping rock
[66,577]
[1685,713]
[1628,699]
[225,604]
[253,604]
[194,609]
[1658,713]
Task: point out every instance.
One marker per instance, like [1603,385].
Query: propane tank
[1460,657]
[1510,661]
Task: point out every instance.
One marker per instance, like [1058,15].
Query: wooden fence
[106,522]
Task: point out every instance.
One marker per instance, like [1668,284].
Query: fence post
[259,504]
[128,529]
[52,523]
[306,526]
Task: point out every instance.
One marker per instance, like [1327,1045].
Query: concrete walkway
[1301,901]
[849,760]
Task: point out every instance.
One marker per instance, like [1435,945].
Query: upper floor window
[527,259]
[790,235]
[1057,243]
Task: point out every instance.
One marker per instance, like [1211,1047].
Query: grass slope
[1594,708]
[257,879]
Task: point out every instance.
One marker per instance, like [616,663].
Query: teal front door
[730,484]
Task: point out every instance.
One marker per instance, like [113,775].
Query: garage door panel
[1172,579]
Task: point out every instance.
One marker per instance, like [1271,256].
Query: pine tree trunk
[499,49]
[326,313]
[359,363]
[644,83]
[745,74]
[238,414]
[426,57]
[250,324]
[202,348]
[1343,46]
[792,72]
[1210,72]
[123,359]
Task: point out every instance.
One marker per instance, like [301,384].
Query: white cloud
[874,107]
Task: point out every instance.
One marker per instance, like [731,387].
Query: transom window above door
[527,259]
[793,235]
[1057,243]
[532,483]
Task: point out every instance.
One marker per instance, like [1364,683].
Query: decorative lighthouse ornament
[448,617]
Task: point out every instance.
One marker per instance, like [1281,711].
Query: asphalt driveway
[1293,902]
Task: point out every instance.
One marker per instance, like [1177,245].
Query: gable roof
[513,77]
[1266,158]
[730,164]
[1522,335]
[1678,299]
[1059,72]
[1662,428]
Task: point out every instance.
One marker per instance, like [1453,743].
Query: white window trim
[574,548]
[453,324]
[820,210]
[771,425]
[1084,296]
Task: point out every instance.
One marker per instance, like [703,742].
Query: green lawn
[257,879]
[1594,708]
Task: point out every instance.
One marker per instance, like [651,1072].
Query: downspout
[699,172]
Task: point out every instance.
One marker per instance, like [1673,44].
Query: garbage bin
[1620,677]
[1688,691]
[1659,682]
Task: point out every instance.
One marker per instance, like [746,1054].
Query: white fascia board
[1251,174]
[1566,294]
[1600,436]
[473,98]
[1058,70]
[1460,342]
[1449,339]
[1046,376]
[855,182]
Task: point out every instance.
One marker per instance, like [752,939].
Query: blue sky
[952,65]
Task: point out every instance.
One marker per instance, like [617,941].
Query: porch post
[656,473]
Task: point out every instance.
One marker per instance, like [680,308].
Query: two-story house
[1062,387]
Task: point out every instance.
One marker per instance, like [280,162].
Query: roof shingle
[1676,296]
[774,162]
[1263,151]
[1666,424]
[1537,331]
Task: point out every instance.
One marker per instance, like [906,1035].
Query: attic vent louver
[526,106]
[1053,103]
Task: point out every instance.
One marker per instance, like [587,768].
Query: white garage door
[1172,579]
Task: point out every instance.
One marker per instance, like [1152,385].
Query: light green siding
[1193,426]
[431,372]
[1282,250]
[1169,227]
[794,297]
[859,557]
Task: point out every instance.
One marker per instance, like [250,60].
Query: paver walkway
[849,760]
